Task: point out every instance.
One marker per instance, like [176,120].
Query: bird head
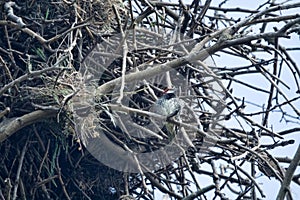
[169,93]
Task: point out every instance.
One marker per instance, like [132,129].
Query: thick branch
[11,125]
[289,175]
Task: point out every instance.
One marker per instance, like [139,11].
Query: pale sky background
[270,187]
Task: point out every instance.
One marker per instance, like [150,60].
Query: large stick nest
[46,50]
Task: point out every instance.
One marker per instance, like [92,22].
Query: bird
[168,105]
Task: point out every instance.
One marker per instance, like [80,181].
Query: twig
[1,195]
[43,41]
[19,170]
[199,192]
[8,7]
[160,187]
[47,180]
[154,115]
[60,176]
[7,189]
[26,77]
[4,112]
[253,181]
[7,71]
[289,175]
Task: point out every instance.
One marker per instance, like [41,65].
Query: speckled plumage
[167,105]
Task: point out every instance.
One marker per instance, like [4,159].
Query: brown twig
[21,161]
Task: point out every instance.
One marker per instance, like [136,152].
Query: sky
[271,187]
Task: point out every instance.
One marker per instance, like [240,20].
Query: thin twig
[19,170]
